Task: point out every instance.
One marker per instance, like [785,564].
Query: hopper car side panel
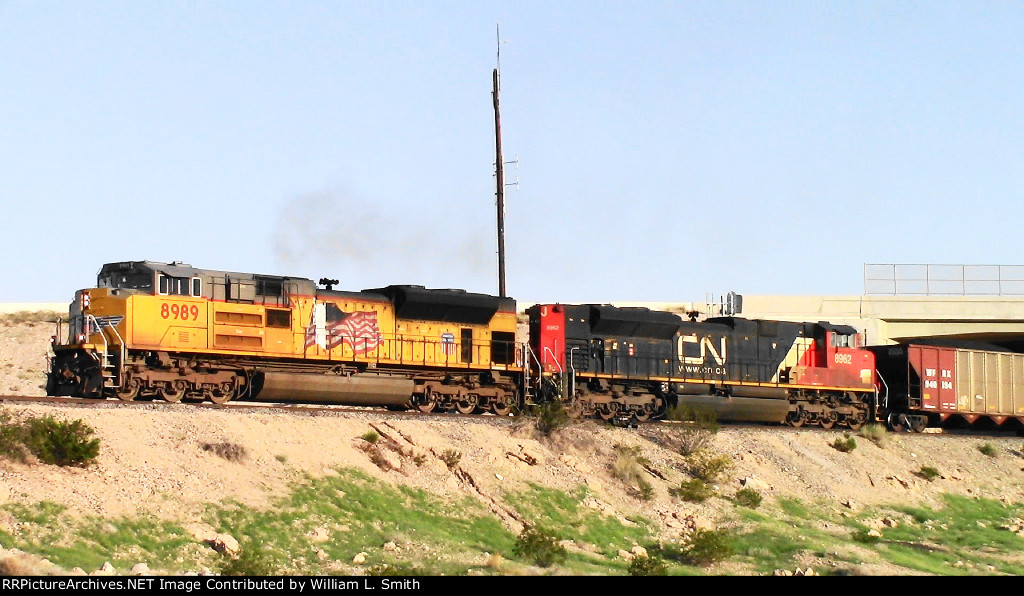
[932,385]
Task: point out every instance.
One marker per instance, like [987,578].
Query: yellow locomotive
[172,331]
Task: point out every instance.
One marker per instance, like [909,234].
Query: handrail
[534,354]
[572,365]
[100,329]
[882,379]
[547,350]
[106,346]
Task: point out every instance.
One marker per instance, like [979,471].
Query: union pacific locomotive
[177,332]
[171,331]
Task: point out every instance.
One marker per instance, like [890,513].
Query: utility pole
[499,168]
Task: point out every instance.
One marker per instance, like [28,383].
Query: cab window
[843,341]
[279,318]
[178,286]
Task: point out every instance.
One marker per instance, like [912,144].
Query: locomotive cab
[834,358]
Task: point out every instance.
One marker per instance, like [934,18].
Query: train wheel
[828,420]
[224,394]
[130,391]
[467,406]
[855,422]
[172,392]
[795,418]
[502,408]
[642,414]
[429,401]
[608,411]
[918,424]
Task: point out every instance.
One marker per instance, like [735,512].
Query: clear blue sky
[667,149]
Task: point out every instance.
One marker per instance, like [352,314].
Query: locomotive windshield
[840,340]
[129,280]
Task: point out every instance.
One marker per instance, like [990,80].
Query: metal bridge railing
[943,280]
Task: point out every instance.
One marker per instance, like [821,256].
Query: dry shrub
[48,440]
[30,317]
[697,429]
[692,440]
[708,466]
[876,433]
[232,452]
[494,561]
[451,458]
[626,466]
[378,459]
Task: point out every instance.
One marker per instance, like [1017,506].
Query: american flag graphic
[329,327]
[448,343]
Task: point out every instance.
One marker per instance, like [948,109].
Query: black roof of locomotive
[411,301]
[450,305]
[179,269]
[633,321]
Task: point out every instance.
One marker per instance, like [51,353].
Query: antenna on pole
[499,169]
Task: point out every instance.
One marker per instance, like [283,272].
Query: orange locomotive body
[176,332]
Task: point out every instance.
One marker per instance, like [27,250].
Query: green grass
[46,530]
[845,444]
[362,514]
[964,536]
[769,541]
[436,536]
[565,514]
[965,529]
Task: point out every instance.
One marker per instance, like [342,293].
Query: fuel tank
[360,390]
[739,409]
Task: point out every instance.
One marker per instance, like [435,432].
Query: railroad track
[320,409]
[315,409]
